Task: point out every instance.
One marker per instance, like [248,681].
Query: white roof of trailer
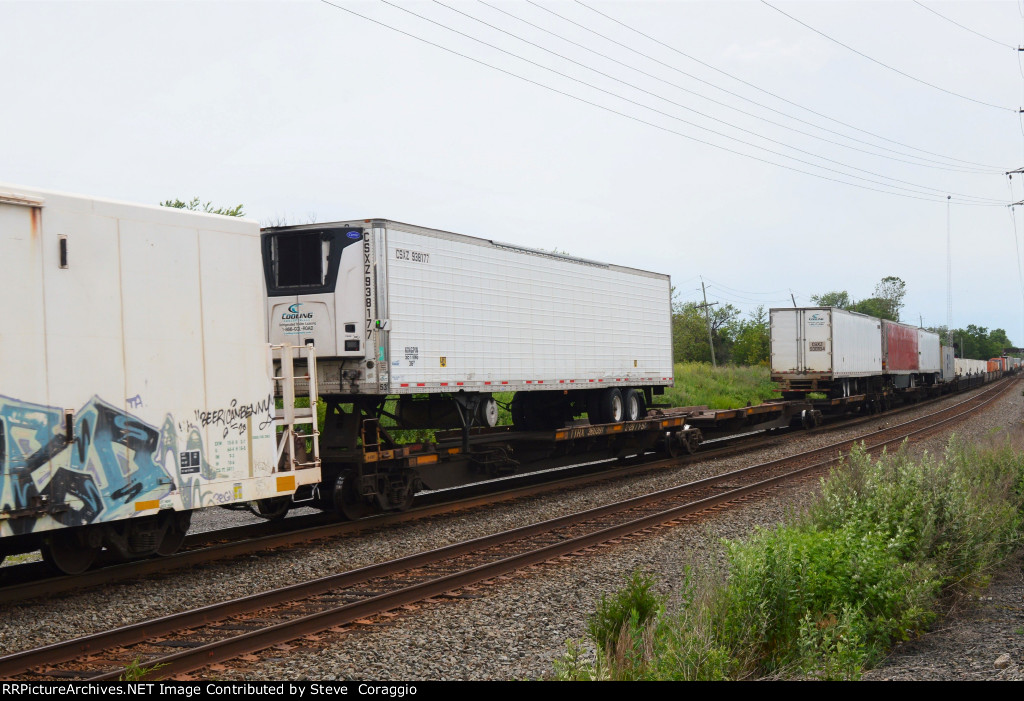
[474,240]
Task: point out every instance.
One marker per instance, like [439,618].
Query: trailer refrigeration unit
[824,349]
[135,380]
[442,322]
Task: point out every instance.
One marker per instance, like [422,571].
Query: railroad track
[35,580]
[223,631]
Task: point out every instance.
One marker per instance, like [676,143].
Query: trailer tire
[632,405]
[612,406]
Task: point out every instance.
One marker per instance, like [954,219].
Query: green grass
[696,384]
[724,387]
[827,594]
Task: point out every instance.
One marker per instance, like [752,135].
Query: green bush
[827,594]
[631,608]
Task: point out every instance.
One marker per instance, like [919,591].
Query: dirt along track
[474,563]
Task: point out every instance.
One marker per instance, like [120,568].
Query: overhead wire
[919,191]
[758,88]
[918,196]
[952,21]
[747,292]
[928,162]
[677,104]
[885,65]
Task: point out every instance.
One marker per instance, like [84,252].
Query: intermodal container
[948,364]
[899,348]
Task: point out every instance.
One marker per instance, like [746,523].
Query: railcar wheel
[272,508]
[67,553]
[347,500]
[174,536]
[406,503]
[671,445]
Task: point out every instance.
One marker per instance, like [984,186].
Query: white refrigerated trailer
[443,322]
[396,309]
[824,349]
[135,376]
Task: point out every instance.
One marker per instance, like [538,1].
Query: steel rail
[254,641]
[205,547]
[20,662]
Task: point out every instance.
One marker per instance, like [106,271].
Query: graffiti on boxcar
[112,460]
[233,418]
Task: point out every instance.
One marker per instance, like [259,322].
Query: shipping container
[899,349]
[967,366]
[397,309]
[948,364]
[812,346]
[929,354]
[135,383]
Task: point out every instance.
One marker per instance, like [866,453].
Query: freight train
[163,361]
[841,353]
[155,361]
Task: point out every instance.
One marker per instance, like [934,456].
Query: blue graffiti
[113,458]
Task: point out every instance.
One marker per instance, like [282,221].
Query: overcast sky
[301,110]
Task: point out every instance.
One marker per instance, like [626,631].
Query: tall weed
[827,594]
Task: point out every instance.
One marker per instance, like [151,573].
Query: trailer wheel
[487,412]
[612,408]
[633,405]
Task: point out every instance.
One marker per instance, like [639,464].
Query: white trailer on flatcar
[135,376]
[824,349]
[929,351]
[967,366]
[396,309]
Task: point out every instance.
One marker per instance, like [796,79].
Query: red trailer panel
[899,348]
[996,364]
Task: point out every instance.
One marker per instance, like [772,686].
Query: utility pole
[949,277]
[792,298]
[921,317]
[707,317]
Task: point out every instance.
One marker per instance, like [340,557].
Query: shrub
[827,594]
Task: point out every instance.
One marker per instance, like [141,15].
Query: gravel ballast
[515,629]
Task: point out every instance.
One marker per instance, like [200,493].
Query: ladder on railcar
[291,447]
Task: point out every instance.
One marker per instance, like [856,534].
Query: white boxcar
[135,376]
[401,309]
[811,346]
[929,352]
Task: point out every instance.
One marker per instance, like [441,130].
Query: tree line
[740,340]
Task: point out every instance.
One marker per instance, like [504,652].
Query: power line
[951,21]
[760,89]
[918,196]
[927,161]
[919,188]
[885,65]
